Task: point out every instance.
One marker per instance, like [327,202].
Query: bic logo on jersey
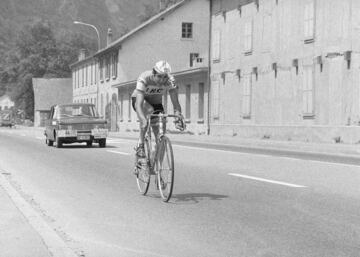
[153,90]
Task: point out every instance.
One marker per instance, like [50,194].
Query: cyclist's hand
[180,122]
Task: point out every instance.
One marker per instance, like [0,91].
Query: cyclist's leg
[147,109]
[158,108]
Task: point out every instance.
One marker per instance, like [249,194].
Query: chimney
[82,54]
[109,37]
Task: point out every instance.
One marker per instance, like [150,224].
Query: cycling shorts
[158,108]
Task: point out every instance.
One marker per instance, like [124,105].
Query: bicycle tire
[143,176]
[165,169]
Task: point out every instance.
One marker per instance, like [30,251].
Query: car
[75,123]
[6,119]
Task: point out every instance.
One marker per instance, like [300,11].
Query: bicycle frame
[162,131]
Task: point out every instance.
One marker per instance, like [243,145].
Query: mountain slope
[119,15]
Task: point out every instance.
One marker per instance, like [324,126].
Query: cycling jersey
[152,88]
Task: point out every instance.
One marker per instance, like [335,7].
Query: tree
[37,53]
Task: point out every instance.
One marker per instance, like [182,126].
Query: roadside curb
[55,245]
[352,151]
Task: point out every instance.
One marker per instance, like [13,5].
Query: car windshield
[76,110]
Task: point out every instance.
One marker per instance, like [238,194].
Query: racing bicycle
[159,161]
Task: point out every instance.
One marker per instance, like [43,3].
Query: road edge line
[56,246]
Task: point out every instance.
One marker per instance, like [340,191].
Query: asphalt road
[226,202]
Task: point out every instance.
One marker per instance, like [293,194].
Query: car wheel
[58,142]
[49,142]
[102,143]
[89,144]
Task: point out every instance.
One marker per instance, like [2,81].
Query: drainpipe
[209,69]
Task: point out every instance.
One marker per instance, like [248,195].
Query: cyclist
[147,99]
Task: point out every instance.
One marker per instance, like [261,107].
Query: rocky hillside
[119,15]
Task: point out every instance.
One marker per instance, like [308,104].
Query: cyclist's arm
[140,97]
[174,96]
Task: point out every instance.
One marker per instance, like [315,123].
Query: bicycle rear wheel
[165,169]
[143,176]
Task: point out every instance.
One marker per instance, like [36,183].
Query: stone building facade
[286,69]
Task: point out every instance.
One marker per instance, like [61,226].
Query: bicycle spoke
[166,170]
[143,177]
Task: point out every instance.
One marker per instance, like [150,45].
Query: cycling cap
[162,67]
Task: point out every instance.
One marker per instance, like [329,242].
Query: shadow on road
[196,197]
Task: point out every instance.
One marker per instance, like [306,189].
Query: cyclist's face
[161,78]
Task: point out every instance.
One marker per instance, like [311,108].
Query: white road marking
[208,149]
[269,156]
[265,180]
[23,135]
[123,153]
[41,138]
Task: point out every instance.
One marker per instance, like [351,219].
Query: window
[95,72]
[309,21]
[107,67]
[193,57]
[187,30]
[201,101]
[248,34]
[82,76]
[215,99]
[75,79]
[130,107]
[121,100]
[91,73]
[216,46]
[102,104]
[308,91]
[86,75]
[101,69]
[73,75]
[114,64]
[188,102]
[246,97]
[267,26]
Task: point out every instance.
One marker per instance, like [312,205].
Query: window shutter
[216,45]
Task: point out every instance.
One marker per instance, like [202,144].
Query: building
[48,92]
[5,102]
[85,79]
[286,69]
[180,35]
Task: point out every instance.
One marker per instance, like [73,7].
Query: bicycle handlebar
[165,115]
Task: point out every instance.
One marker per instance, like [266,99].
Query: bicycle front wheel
[165,169]
[143,172]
